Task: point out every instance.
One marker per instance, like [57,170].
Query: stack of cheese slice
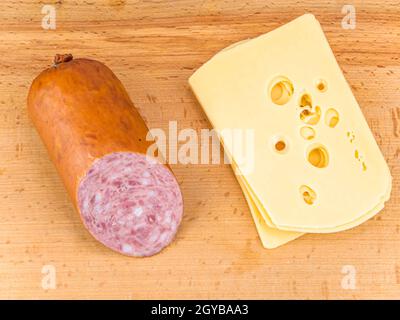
[296,138]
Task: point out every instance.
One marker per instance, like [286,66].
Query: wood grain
[153,47]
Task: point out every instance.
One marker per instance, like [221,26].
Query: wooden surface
[153,47]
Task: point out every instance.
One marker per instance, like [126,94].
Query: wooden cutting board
[153,47]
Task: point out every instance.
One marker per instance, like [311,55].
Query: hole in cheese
[281,90]
[307,133]
[280,145]
[321,85]
[308,194]
[310,117]
[305,100]
[351,136]
[318,156]
[331,118]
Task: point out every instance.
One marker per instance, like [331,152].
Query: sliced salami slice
[131,203]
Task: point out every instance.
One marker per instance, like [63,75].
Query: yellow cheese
[317,167]
[261,210]
[270,237]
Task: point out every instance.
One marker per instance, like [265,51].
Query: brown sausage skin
[82,113]
[86,102]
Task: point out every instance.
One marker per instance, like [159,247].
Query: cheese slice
[317,167]
[285,235]
[261,210]
[270,237]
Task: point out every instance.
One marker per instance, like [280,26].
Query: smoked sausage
[127,200]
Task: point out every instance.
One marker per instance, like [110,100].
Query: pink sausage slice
[131,203]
